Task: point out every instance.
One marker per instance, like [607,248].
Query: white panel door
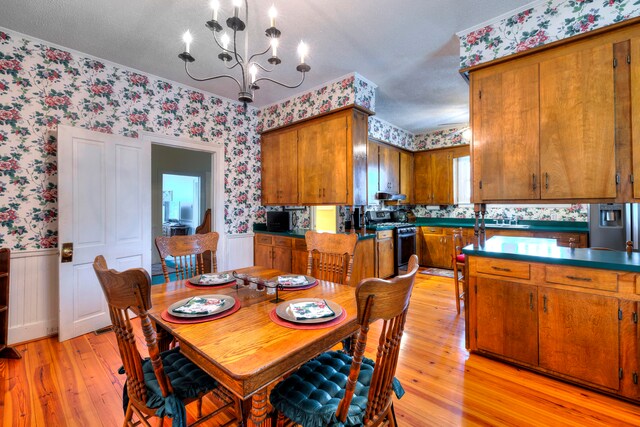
[104,187]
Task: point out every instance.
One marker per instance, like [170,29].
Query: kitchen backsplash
[540,23]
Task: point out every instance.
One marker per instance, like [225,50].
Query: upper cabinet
[556,125]
[389,170]
[321,161]
[389,158]
[406,177]
[279,168]
[635,117]
[433,175]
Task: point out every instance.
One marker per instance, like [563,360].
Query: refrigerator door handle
[633,224]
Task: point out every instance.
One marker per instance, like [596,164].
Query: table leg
[256,410]
[163,338]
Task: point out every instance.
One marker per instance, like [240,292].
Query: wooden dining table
[247,351]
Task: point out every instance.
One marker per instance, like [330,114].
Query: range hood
[381,195]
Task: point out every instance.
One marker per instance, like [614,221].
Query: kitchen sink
[507,225]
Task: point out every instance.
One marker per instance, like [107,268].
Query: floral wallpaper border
[442,138]
[385,131]
[539,24]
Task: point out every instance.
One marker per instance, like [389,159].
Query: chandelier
[232,58]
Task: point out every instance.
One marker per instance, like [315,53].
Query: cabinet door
[421,183]
[389,169]
[334,161]
[282,259]
[406,176]
[280,168]
[441,177]
[373,175]
[432,250]
[263,255]
[385,257]
[579,335]
[577,120]
[507,319]
[505,120]
[635,117]
[310,152]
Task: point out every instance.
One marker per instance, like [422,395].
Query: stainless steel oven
[405,246]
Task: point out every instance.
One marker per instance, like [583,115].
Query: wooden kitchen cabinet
[272,251]
[568,322]
[406,177]
[389,167]
[280,168]
[320,161]
[507,319]
[6,351]
[559,124]
[384,254]
[433,177]
[299,257]
[505,121]
[436,247]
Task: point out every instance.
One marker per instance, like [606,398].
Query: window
[462,180]
[325,219]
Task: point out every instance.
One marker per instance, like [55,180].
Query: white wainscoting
[33,296]
[239,251]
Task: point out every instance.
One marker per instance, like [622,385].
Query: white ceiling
[408,48]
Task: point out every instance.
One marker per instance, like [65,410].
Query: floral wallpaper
[441,138]
[384,131]
[543,23]
[42,86]
[576,212]
[348,90]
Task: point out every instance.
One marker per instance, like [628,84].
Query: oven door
[405,247]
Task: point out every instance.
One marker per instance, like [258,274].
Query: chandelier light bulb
[225,41]
[303,50]
[187,38]
[215,5]
[272,15]
[253,70]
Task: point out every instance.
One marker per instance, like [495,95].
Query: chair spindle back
[188,253]
[330,256]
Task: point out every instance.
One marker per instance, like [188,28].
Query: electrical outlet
[52,330]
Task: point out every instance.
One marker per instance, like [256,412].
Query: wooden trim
[588,35]
[388,144]
[306,119]
[459,147]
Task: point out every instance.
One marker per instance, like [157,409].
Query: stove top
[390,224]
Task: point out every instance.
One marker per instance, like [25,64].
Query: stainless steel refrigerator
[611,225]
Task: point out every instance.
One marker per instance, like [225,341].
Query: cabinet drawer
[582,277]
[385,234]
[282,241]
[432,230]
[300,244]
[264,239]
[500,267]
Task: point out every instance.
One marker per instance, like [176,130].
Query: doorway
[181,186]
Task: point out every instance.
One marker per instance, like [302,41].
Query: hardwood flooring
[75,383]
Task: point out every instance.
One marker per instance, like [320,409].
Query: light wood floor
[76,383]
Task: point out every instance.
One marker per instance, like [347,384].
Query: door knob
[66,255]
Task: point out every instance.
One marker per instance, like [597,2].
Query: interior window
[462,180]
[325,219]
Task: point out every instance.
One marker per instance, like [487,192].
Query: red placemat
[188,284]
[310,285]
[188,320]
[277,320]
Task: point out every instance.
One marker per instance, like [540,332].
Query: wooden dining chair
[164,383]
[337,388]
[188,253]
[458,262]
[330,256]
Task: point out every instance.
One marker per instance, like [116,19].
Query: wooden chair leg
[456,281]
[280,421]
[200,408]
[128,415]
[161,422]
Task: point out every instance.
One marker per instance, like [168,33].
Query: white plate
[308,280]
[212,279]
[285,312]
[206,310]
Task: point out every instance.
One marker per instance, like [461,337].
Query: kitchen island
[568,313]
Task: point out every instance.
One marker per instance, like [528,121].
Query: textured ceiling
[408,48]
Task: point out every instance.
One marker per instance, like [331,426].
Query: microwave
[279,221]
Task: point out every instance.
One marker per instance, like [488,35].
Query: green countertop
[298,233]
[546,251]
[560,226]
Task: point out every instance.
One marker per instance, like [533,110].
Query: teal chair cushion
[310,396]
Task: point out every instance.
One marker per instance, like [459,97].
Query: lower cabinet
[272,251]
[577,324]
[299,257]
[384,253]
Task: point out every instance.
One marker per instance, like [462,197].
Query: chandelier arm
[263,68]
[282,84]
[233,66]
[225,50]
[235,51]
[206,79]
[260,54]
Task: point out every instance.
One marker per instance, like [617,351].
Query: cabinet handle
[544,303]
[546,180]
[581,279]
[500,268]
[535,182]
[531,301]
